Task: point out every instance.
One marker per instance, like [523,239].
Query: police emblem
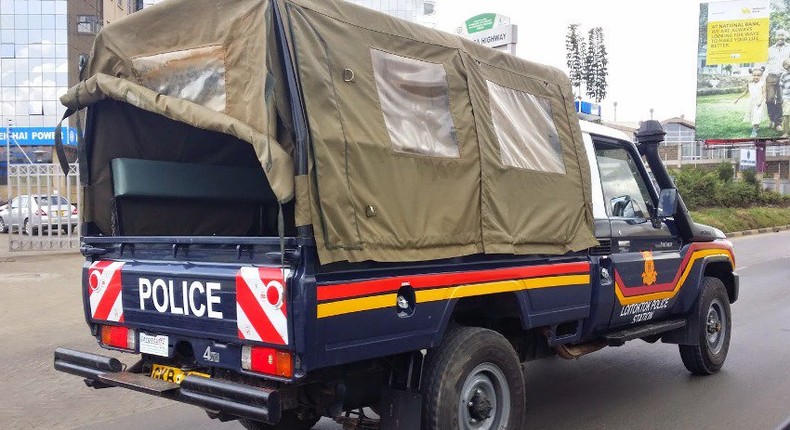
[649,275]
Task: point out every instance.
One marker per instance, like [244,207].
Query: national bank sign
[37,136]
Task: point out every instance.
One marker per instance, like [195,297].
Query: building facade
[34,69]
[420,11]
[42,46]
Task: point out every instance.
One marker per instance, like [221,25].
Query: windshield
[51,201]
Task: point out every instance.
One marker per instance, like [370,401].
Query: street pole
[8,163]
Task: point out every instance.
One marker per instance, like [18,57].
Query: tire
[27,228]
[289,421]
[3,226]
[713,318]
[473,380]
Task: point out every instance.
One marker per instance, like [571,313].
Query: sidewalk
[759,231]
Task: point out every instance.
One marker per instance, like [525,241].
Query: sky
[652,46]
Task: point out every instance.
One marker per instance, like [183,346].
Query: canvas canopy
[422,145]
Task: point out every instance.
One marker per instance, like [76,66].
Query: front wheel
[714,322]
[473,382]
[3,226]
[289,421]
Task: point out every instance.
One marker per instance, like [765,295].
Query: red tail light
[267,360]
[118,337]
[74,211]
[40,212]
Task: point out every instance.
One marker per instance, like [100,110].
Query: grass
[719,118]
[738,219]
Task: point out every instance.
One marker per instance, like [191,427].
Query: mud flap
[400,410]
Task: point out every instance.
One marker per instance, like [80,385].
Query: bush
[725,171]
[750,177]
[718,91]
[738,194]
[701,189]
[697,187]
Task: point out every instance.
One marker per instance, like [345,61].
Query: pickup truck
[282,323]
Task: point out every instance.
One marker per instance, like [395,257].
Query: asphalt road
[638,386]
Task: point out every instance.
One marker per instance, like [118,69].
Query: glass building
[33,61]
[420,11]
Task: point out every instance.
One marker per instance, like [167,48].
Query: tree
[574,54]
[596,62]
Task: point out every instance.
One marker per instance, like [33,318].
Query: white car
[3,215]
[36,213]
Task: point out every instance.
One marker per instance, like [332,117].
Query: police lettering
[638,308]
[181,297]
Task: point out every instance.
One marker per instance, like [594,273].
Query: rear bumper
[214,395]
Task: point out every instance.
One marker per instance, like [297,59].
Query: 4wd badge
[649,275]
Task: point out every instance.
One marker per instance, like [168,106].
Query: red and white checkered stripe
[260,304]
[104,289]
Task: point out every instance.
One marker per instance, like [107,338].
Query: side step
[618,338]
[138,382]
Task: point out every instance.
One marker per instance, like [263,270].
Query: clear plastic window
[197,75]
[525,129]
[415,101]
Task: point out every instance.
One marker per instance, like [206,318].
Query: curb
[759,231]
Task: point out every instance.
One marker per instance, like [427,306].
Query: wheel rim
[485,399]
[2,226]
[28,230]
[716,326]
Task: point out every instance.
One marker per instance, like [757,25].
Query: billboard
[492,30]
[37,136]
[742,47]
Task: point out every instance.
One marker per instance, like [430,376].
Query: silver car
[36,213]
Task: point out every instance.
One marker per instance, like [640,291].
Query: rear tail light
[119,337]
[267,360]
[40,212]
[74,211]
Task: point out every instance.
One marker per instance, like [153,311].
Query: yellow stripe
[354,305]
[470,290]
[669,294]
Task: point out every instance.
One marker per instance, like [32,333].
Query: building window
[7,50]
[88,24]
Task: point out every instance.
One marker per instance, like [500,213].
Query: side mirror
[667,203]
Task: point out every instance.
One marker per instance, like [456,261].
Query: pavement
[759,231]
[637,386]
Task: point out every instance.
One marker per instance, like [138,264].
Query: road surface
[637,386]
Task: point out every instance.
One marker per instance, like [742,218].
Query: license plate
[154,344]
[173,374]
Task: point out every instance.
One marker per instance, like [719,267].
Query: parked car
[37,213]
[3,216]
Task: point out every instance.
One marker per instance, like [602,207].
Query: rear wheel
[289,421]
[473,382]
[27,228]
[713,319]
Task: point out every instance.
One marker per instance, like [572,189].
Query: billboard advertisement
[741,70]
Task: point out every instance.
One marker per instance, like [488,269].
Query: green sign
[484,21]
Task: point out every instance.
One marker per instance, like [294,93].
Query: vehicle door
[13,212]
[645,251]
[25,209]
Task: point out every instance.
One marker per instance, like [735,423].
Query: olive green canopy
[423,145]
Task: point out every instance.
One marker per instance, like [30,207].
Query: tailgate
[223,302]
